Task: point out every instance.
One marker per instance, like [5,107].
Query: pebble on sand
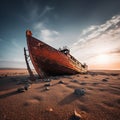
[20,90]
[61,82]
[47,80]
[74,81]
[79,92]
[104,80]
[47,88]
[49,109]
[48,84]
[27,86]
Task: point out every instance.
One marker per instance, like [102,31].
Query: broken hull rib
[49,61]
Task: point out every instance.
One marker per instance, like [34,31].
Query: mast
[32,77]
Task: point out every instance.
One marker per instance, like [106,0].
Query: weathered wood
[32,77]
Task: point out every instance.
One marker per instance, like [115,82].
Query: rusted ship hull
[49,61]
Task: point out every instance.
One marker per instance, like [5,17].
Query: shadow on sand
[68,99]
[9,94]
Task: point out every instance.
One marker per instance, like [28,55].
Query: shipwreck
[49,61]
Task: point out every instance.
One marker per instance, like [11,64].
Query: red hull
[48,61]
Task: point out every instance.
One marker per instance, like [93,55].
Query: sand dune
[101,100]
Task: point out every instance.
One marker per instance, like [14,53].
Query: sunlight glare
[103,59]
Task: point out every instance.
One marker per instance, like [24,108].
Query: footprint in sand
[39,98]
[34,100]
[31,102]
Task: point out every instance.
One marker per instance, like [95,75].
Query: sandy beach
[101,99]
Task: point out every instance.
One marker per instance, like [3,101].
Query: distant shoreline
[13,68]
[34,69]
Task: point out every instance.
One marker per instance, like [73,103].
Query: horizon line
[10,68]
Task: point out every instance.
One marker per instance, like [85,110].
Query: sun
[103,59]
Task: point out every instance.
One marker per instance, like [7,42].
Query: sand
[101,100]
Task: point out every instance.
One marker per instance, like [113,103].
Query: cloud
[39,15]
[36,12]
[49,35]
[97,30]
[115,51]
[43,33]
[88,30]
[98,39]
[38,26]
[46,10]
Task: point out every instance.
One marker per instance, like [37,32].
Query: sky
[90,28]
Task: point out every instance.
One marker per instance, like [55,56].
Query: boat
[49,61]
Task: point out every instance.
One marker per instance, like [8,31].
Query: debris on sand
[104,80]
[20,90]
[79,92]
[61,82]
[23,81]
[47,80]
[74,81]
[29,81]
[47,88]
[27,86]
[76,116]
[47,84]
[49,109]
